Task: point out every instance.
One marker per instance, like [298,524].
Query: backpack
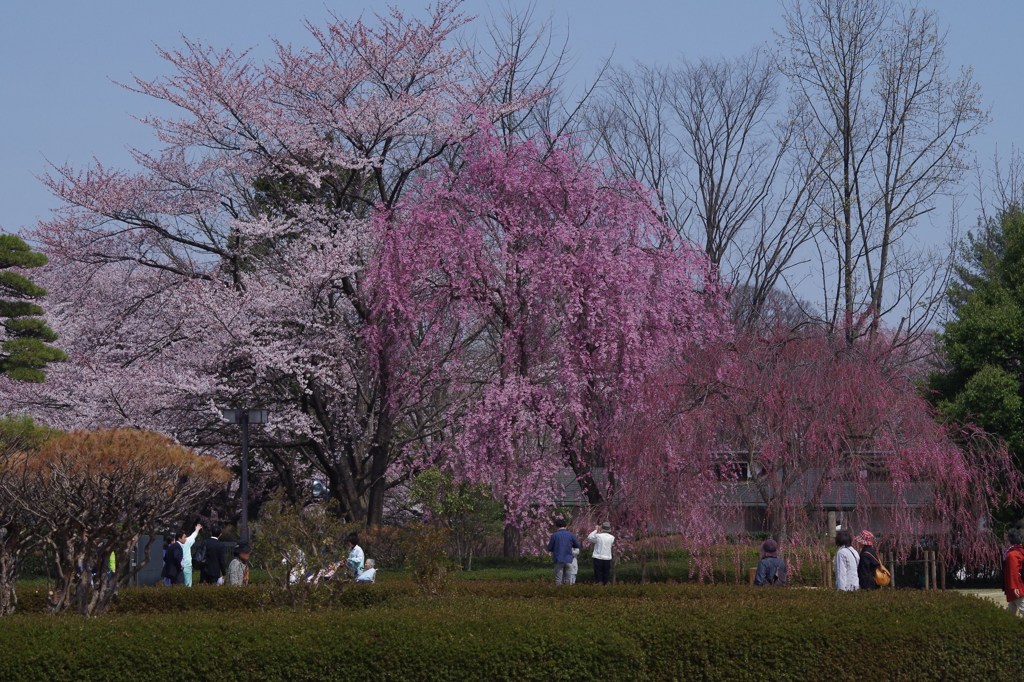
[199,557]
[771,576]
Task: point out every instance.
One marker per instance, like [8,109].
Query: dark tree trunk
[513,538]
[380,456]
[65,580]
[9,566]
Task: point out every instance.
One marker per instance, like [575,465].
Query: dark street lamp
[244,418]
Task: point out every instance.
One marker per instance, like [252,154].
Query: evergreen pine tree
[25,351]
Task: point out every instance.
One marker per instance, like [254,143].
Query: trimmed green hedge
[523,632]
[211,598]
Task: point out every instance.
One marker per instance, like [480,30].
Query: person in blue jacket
[560,545]
[771,569]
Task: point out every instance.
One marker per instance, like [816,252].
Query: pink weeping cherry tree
[568,295]
[821,424]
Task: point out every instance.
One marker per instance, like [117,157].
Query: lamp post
[244,417]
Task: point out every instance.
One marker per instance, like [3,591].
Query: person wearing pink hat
[868,560]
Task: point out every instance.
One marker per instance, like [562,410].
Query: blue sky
[59,62]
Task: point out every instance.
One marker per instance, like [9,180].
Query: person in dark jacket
[771,569]
[869,560]
[212,572]
[560,546]
[173,555]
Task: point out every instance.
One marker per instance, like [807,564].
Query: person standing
[574,567]
[869,560]
[602,539]
[846,563]
[173,557]
[238,569]
[560,546]
[213,570]
[771,570]
[355,559]
[1013,585]
[186,551]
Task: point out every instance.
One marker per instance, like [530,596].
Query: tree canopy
[982,380]
[26,349]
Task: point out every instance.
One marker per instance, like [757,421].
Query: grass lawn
[516,630]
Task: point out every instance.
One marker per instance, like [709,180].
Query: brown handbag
[882,575]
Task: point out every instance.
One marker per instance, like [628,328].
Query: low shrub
[296,542]
[728,564]
[426,557]
[385,545]
[210,598]
[481,632]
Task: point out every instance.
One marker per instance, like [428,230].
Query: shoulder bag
[882,575]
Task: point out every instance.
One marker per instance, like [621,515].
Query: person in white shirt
[369,575]
[602,539]
[354,562]
[574,567]
[847,559]
[186,555]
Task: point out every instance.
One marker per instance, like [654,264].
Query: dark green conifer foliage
[27,350]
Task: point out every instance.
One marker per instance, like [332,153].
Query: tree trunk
[513,537]
[584,472]
[378,477]
[9,566]
[380,451]
[776,517]
[100,593]
[69,564]
[60,597]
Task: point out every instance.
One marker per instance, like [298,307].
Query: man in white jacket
[602,539]
[186,555]
[847,559]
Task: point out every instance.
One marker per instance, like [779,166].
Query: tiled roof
[837,495]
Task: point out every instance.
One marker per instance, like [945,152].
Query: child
[573,567]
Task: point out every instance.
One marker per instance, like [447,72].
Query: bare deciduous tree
[532,55]
[20,531]
[705,138]
[886,125]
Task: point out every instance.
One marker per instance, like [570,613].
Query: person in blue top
[771,570]
[561,545]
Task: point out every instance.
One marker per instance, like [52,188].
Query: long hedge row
[523,632]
